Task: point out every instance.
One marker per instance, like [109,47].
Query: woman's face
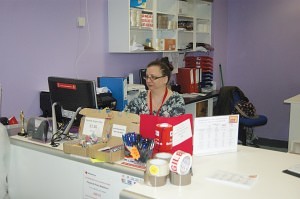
[154,78]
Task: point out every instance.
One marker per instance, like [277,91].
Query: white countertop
[295,99]
[267,164]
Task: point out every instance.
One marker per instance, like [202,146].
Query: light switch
[81,21]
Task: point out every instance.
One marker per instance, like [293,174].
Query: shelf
[186,31]
[185,17]
[199,32]
[180,22]
[164,30]
[138,28]
[165,13]
[141,9]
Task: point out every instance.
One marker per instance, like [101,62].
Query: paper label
[153,169]
[118,130]
[93,126]
[182,132]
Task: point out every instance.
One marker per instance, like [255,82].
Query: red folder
[148,123]
[185,78]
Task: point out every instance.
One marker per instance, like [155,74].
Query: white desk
[200,106]
[294,129]
[38,171]
[268,165]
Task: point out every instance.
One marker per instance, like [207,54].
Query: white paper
[101,183]
[235,179]
[93,126]
[118,130]
[217,134]
[182,132]
[37,123]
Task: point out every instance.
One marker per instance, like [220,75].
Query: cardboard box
[169,44]
[114,125]
[74,147]
[112,151]
[138,3]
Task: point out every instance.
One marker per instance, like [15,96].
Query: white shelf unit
[126,27]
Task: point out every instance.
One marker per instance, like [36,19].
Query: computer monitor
[70,95]
[142,77]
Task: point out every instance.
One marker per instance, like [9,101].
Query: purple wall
[40,38]
[255,41]
[219,39]
[264,56]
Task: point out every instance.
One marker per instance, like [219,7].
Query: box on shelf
[169,44]
[166,44]
[147,20]
[138,3]
[114,124]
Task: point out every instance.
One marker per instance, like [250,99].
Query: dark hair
[165,66]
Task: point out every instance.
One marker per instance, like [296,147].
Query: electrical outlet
[80,21]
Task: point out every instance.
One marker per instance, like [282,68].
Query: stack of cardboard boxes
[109,126]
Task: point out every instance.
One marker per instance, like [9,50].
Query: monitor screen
[142,76]
[70,94]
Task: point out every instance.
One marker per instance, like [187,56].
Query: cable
[60,135]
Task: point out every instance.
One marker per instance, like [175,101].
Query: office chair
[229,96]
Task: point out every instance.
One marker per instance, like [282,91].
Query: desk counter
[189,100]
[294,128]
[38,170]
[268,165]
[200,106]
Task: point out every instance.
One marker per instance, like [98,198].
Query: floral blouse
[174,106]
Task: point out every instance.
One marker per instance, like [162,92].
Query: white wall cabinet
[160,25]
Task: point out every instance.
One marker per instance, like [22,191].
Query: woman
[159,100]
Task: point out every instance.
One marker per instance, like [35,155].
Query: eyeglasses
[152,77]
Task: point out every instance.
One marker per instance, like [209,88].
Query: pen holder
[137,147]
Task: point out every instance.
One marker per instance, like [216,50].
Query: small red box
[169,44]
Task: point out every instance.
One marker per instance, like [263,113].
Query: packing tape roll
[180,180]
[164,156]
[157,167]
[181,162]
[163,137]
[154,181]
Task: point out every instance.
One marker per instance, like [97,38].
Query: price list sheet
[217,134]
